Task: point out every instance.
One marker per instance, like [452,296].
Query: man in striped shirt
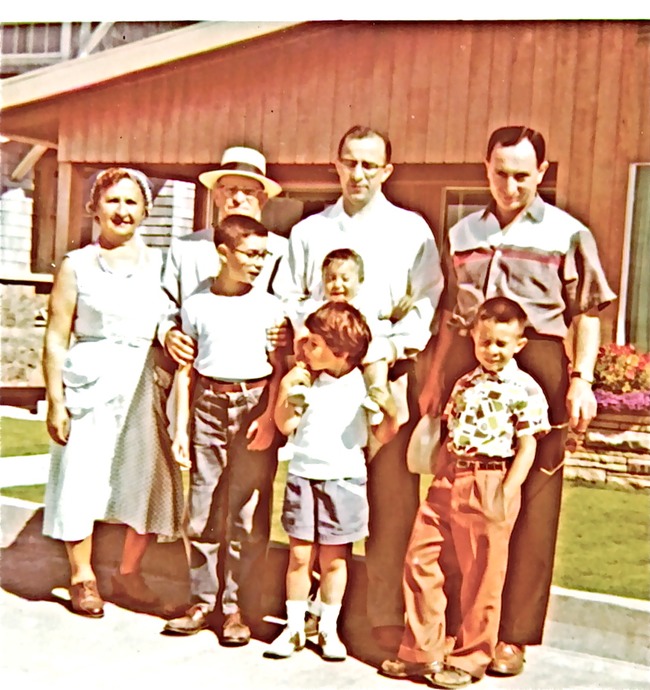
[545,260]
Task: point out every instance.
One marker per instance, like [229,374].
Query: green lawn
[23,437]
[603,542]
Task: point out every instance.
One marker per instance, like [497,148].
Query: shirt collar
[375,203]
[535,211]
[506,374]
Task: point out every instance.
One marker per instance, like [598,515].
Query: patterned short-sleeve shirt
[488,411]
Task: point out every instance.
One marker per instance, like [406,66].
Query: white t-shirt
[230,332]
[333,430]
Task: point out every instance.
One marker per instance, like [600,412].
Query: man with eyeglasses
[239,187]
[404,279]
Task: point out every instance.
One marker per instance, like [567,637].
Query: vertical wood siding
[437,88]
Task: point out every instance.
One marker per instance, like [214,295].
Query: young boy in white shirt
[225,431]
[325,505]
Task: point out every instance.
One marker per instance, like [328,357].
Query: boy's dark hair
[233,229]
[363,132]
[343,328]
[501,310]
[344,254]
[511,136]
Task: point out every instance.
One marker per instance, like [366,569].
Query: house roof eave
[78,73]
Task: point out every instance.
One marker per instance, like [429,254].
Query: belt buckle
[463,464]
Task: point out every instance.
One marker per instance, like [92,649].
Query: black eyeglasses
[231,191]
[368,167]
[252,254]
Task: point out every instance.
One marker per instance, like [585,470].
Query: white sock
[296,611]
[329,617]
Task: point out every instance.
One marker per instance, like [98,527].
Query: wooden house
[171,103]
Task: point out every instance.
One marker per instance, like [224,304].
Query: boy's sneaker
[331,647]
[285,644]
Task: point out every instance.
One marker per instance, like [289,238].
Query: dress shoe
[195,619]
[508,660]
[408,669]
[131,588]
[311,624]
[85,599]
[235,633]
[388,637]
[451,677]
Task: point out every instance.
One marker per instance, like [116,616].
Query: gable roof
[79,73]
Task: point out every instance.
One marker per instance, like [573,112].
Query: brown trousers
[532,544]
[462,527]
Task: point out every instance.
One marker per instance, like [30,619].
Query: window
[461,201]
[633,323]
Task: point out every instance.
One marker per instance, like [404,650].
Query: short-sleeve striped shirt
[547,261]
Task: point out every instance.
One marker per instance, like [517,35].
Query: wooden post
[44,214]
[203,207]
[69,216]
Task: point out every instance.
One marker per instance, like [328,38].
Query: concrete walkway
[43,643]
[592,641]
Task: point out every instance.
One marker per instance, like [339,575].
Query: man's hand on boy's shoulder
[261,432]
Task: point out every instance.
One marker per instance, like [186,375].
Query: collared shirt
[487,411]
[547,261]
[399,255]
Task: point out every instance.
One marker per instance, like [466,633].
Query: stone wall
[615,450]
[22,326]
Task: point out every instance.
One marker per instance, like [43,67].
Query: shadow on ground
[35,567]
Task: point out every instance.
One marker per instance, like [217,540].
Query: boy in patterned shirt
[494,416]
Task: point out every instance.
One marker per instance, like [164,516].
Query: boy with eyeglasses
[225,431]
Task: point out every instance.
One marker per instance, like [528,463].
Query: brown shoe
[406,669]
[195,619]
[451,678]
[388,637]
[508,660]
[85,599]
[132,588]
[311,624]
[235,633]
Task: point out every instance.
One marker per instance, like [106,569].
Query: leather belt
[480,462]
[233,386]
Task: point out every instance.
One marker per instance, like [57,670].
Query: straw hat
[244,161]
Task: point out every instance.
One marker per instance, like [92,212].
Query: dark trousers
[532,544]
[393,496]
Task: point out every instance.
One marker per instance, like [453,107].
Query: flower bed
[622,379]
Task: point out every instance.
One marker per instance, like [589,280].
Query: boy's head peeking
[241,245]
[342,274]
[338,338]
[498,332]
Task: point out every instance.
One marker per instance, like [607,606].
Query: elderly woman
[108,463]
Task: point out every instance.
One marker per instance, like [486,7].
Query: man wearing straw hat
[239,186]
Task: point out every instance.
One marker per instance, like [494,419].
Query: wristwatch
[578,375]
